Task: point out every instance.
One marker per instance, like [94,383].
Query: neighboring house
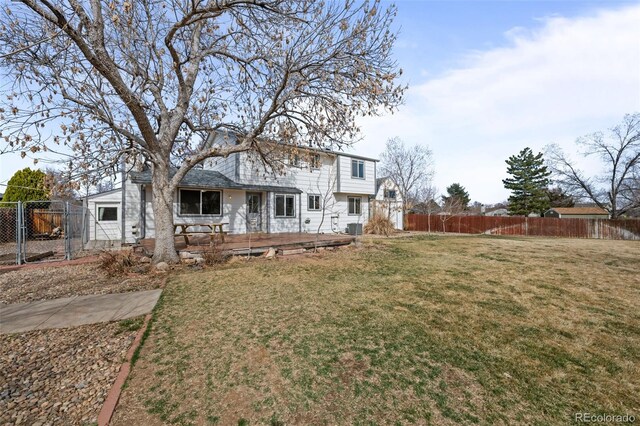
[317,190]
[388,201]
[577,213]
[497,212]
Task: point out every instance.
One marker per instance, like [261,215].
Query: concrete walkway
[77,310]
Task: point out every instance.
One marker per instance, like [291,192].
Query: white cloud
[565,79]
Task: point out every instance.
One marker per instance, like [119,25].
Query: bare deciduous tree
[616,189]
[411,168]
[154,80]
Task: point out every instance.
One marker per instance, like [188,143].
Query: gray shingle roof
[210,179]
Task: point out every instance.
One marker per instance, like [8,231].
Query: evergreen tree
[457,194]
[27,185]
[528,184]
[559,198]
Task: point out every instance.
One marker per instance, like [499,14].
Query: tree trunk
[165,249]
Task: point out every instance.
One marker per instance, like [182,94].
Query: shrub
[117,263]
[380,225]
[215,256]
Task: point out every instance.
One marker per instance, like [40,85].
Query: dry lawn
[424,330]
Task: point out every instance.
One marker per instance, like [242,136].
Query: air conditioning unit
[354,228]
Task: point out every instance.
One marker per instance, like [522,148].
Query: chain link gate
[40,231]
[9,235]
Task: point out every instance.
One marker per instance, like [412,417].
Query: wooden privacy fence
[44,221]
[619,229]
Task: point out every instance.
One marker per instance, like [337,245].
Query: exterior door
[107,224]
[254,212]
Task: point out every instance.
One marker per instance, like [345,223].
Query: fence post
[19,233]
[67,230]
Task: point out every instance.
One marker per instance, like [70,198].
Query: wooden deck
[257,243]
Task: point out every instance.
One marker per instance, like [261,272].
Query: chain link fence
[35,231]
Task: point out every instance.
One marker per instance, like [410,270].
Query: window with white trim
[200,202]
[357,169]
[355,205]
[107,214]
[285,205]
[313,202]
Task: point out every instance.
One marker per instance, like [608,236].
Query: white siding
[283,224]
[105,231]
[224,165]
[349,184]
[132,211]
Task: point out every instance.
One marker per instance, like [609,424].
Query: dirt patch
[52,282]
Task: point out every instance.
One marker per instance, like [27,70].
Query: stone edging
[109,406]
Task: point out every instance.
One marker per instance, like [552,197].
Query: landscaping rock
[59,376]
[292,251]
[162,266]
[271,253]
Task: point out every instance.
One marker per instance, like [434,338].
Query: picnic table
[213,230]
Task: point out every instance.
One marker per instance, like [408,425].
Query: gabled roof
[579,210]
[211,179]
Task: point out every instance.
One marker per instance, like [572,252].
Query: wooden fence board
[619,229]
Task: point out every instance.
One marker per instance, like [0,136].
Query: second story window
[357,169]
[294,160]
[314,161]
[390,194]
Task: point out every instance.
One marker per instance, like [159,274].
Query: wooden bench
[214,229]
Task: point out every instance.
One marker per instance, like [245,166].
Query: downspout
[268,203]
[143,213]
[300,213]
[338,173]
[124,205]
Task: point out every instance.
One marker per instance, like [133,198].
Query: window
[357,169]
[285,205]
[294,159]
[390,194]
[314,161]
[195,202]
[107,214]
[355,205]
[313,202]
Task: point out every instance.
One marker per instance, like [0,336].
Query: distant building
[577,213]
[497,212]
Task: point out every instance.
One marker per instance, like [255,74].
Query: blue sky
[488,78]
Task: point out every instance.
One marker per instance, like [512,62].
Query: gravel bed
[60,376]
[52,282]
